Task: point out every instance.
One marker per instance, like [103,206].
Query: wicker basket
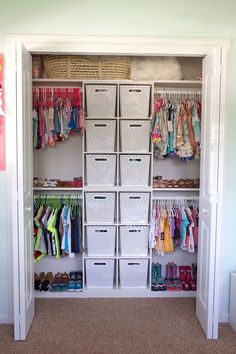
[79,67]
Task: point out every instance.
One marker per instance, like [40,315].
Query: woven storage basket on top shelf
[79,67]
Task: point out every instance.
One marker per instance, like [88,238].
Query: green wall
[182,18]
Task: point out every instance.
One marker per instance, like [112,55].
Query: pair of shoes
[60,282]
[188,283]
[158,283]
[43,282]
[75,283]
[172,281]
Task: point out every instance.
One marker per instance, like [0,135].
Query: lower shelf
[99,293]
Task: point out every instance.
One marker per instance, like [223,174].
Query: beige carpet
[116,326]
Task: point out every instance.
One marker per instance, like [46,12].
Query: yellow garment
[168,243]
[160,237]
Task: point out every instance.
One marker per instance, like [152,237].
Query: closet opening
[67,157]
[119,171]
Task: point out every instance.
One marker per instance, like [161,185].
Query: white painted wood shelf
[116,293]
[176,189]
[51,189]
[181,83]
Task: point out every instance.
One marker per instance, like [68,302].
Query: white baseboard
[5,320]
[224,318]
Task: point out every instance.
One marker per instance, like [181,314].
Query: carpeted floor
[116,326]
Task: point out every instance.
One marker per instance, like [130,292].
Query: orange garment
[168,245]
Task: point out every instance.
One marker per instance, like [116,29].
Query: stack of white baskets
[117,186]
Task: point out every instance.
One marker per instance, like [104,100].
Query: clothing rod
[176,198]
[179,89]
[175,92]
[64,196]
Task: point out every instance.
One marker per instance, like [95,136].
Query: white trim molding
[142,46]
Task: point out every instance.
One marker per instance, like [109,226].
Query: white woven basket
[100,170]
[135,135]
[101,100]
[134,170]
[134,240]
[133,273]
[99,273]
[100,207]
[101,240]
[100,135]
[134,207]
[135,101]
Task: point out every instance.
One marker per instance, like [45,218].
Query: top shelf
[157,83]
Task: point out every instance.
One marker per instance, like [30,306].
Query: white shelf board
[133,224]
[99,224]
[101,118]
[99,257]
[176,189]
[132,82]
[119,293]
[51,189]
[57,83]
[179,83]
[100,153]
[135,153]
[100,189]
[134,257]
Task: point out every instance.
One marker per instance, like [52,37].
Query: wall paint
[206,19]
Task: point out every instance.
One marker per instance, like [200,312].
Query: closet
[128,196]
[111,166]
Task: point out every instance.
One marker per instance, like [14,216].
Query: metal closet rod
[61,196]
[177,198]
[178,91]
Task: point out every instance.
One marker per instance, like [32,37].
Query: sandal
[56,284]
[64,279]
[37,282]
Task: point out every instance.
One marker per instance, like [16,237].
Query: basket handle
[101,90]
[134,230]
[136,263]
[135,160]
[99,197]
[134,197]
[135,90]
[135,125]
[100,230]
[98,263]
[100,125]
[101,159]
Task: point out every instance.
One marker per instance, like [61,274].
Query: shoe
[56,284]
[79,286]
[47,282]
[182,278]
[37,282]
[176,282]
[169,277]
[194,271]
[191,283]
[71,285]
[154,286]
[160,281]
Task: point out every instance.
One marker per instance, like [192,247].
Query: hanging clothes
[174,224]
[57,227]
[57,114]
[176,128]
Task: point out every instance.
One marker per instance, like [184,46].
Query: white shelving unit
[116,291]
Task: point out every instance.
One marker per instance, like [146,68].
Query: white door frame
[107,45]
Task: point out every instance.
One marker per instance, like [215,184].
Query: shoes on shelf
[158,182]
[158,283]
